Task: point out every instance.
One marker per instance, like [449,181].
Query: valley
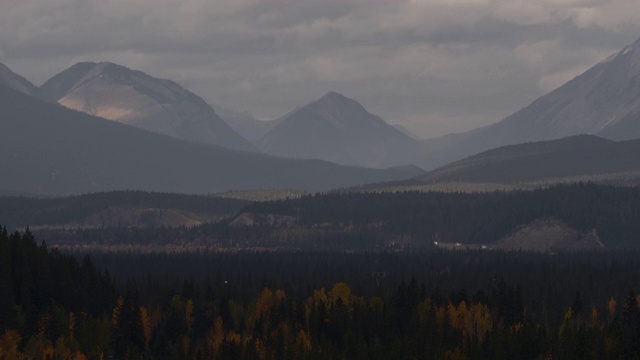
[319,180]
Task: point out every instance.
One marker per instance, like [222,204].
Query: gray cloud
[435,65]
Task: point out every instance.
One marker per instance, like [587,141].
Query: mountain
[626,129]
[338,129]
[14,81]
[596,102]
[571,157]
[244,123]
[134,98]
[48,149]
[403,129]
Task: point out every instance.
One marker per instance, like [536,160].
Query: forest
[338,275]
[338,221]
[433,304]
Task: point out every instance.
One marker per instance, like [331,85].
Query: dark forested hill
[570,157]
[48,149]
[383,221]
[118,208]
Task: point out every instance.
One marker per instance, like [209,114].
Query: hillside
[48,149]
[549,235]
[570,157]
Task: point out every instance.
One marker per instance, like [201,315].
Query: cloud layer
[436,66]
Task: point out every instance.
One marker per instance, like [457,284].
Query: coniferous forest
[435,304]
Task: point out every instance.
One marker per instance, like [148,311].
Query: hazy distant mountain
[14,81]
[48,149]
[403,129]
[340,130]
[244,123]
[600,99]
[576,156]
[132,97]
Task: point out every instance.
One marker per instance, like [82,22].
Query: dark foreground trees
[54,307]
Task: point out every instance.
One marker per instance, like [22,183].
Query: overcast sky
[436,66]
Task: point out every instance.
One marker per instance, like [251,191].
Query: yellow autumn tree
[320,296]
[9,342]
[612,307]
[280,297]
[117,310]
[146,326]
[264,303]
[39,347]
[482,320]
[303,343]
[188,314]
[216,337]
[342,292]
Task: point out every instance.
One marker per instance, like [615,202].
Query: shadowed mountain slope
[14,81]
[575,156]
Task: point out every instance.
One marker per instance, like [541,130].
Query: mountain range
[49,149]
[603,101]
[134,98]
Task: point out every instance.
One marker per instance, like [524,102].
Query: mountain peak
[334,98]
[333,95]
[338,129]
[132,97]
